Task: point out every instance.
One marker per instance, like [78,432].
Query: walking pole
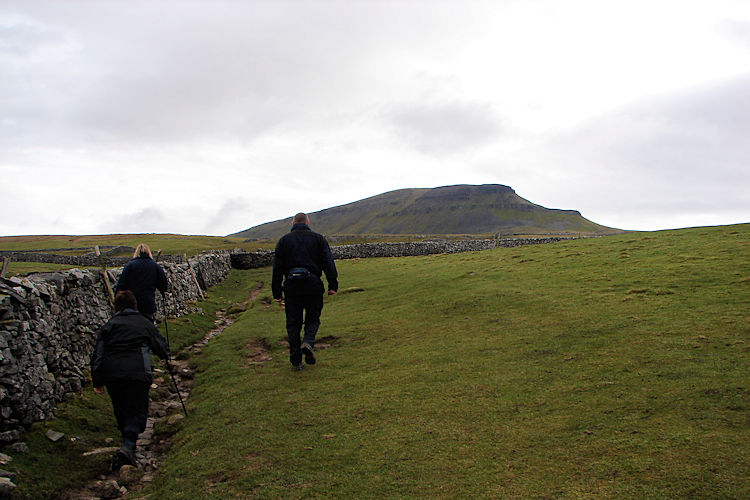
[169,367]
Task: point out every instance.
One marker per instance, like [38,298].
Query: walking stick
[169,367]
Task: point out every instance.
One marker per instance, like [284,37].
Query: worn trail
[152,449]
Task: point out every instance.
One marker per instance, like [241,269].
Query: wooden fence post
[6,260]
[110,293]
[195,278]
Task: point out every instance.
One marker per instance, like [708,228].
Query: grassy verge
[608,368]
[87,420]
[23,268]
[52,467]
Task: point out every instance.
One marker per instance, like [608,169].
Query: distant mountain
[462,209]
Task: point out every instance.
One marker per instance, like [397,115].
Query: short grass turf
[613,367]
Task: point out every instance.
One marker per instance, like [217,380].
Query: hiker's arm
[329,268]
[97,356]
[161,281]
[122,281]
[278,274]
[158,343]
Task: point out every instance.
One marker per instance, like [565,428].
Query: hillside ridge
[456,209]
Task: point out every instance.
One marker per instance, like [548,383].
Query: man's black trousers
[302,295]
[130,403]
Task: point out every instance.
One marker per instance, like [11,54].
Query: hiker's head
[142,250]
[125,300]
[301,218]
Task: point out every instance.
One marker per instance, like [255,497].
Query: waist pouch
[298,273]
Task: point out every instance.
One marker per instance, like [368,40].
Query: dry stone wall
[261,258]
[88,259]
[252,260]
[431,247]
[48,323]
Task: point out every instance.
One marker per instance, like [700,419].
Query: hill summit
[449,210]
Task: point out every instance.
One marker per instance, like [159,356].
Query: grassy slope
[612,367]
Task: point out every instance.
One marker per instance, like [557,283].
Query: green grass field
[172,244]
[610,368]
[613,367]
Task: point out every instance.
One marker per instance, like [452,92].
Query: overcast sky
[209,117]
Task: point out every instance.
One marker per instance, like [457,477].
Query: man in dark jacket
[300,258]
[143,276]
[121,362]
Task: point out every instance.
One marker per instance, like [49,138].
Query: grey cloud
[230,71]
[21,37]
[238,73]
[35,64]
[148,219]
[229,217]
[444,128]
[738,31]
[697,135]
[678,155]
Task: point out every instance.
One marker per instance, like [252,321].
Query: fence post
[110,293]
[6,260]
[195,278]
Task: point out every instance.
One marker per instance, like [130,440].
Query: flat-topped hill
[460,209]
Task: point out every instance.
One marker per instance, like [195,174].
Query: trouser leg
[293,307]
[313,308]
[130,405]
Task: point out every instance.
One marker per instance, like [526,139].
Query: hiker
[301,256]
[143,276]
[121,362]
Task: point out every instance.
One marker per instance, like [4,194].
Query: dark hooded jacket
[123,349]
[143,276]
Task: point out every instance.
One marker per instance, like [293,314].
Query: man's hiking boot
[307,350]
[297,368]
[123,456]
